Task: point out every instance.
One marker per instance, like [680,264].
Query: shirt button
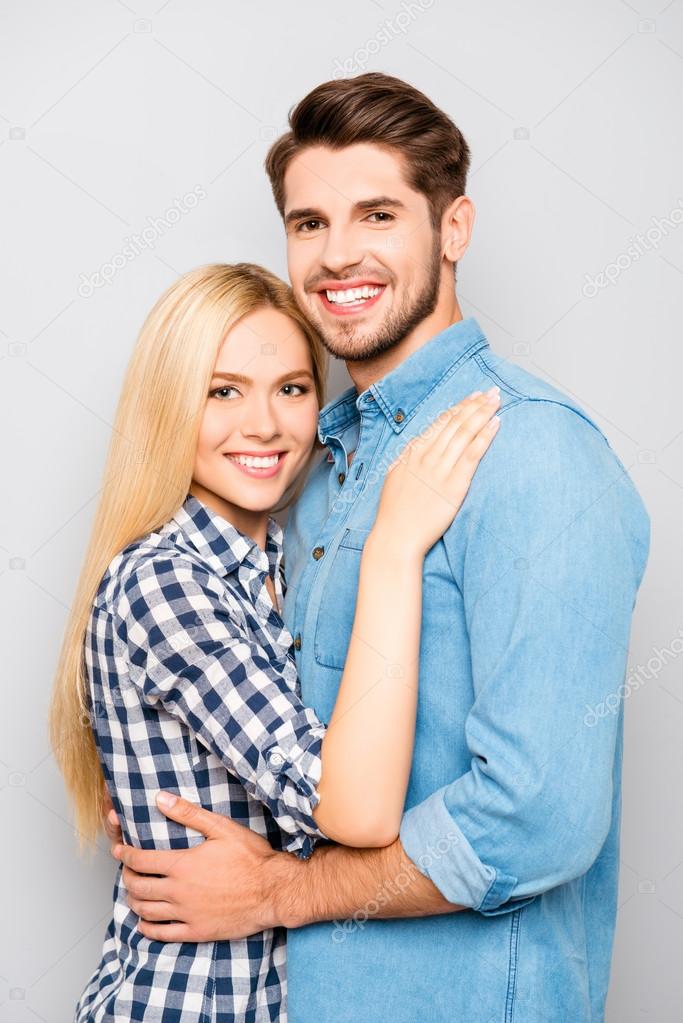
[276,759]
[371,397]
[318,553]
[341,477]
[400,416]
[297,641]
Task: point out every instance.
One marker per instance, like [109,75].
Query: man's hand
[223,888]
[234,884]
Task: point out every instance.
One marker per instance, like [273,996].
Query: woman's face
[261,415]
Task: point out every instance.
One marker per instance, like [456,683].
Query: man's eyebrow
[380,200]
[311,213]
[241,379]
[305,213]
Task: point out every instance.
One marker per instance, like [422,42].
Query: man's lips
[356,305]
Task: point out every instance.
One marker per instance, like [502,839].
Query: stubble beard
[348,341]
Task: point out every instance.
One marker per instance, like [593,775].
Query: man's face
[364,260]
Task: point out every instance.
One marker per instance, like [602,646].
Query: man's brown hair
[386,111]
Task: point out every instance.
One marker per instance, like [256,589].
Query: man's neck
[369,371]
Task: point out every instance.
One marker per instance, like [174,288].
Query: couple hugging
[345,768]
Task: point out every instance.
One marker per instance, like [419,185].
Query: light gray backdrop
[110,112]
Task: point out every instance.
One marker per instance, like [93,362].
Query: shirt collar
[400,392]
[223,546]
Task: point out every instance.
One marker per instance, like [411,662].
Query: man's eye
[309,225]
[386,217]
[218,392]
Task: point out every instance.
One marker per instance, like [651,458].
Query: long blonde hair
[149,471]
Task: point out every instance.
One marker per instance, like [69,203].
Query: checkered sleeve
[189,652]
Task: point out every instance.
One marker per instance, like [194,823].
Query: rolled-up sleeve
[190,654]
[549,550]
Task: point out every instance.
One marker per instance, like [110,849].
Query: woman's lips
[349,309]
[266,472]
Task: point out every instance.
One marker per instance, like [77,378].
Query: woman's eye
[219,392]
[297,387]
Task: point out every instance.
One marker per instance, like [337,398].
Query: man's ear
[456,228]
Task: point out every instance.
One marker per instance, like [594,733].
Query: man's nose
[342,249]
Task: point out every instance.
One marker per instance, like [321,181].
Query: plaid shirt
[194,689]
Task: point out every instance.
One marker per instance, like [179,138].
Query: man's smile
[342,298]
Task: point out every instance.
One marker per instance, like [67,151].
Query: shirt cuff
[440,851]
[292,772]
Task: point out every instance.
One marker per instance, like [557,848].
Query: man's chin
[357,346]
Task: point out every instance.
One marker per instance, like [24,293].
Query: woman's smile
[257,464]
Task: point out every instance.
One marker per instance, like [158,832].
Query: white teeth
[352,294]
[255,461]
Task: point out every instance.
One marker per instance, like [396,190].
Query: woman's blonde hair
[149,471]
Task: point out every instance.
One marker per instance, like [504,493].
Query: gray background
[109,112]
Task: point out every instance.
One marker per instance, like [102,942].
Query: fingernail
[492,397]
[475,394]
[493,390]
[166,799]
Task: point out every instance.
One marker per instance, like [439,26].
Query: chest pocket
[338,604]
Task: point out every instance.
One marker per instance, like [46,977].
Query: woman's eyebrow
[247,380]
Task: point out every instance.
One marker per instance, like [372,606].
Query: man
[498,901]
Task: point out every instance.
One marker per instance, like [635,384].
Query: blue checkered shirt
[194,689]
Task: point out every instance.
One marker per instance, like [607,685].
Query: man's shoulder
[538,419]
[531,397]
[549,451]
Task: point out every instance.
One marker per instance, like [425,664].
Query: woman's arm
[367,749]
[188,655]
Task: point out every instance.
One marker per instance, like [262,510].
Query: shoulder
[155,568]
[548,453]
[550,470]
[541,426]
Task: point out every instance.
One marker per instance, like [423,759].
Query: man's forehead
[342,177]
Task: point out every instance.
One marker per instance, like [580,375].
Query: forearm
[367,750]
[337,882]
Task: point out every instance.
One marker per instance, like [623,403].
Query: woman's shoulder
[159,560]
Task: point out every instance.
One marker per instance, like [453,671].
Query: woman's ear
[456,228]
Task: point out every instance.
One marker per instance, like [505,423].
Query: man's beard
[345,343]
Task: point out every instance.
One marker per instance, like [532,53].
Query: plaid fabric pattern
[194,689]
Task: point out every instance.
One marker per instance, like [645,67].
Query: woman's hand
[426,485]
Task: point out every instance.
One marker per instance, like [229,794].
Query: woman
[177,670]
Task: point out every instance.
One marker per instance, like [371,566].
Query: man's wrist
[284,884]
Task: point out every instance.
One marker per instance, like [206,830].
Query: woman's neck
[253,524]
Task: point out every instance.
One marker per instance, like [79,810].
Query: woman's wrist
[384,544]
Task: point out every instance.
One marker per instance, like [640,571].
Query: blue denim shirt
[513,805]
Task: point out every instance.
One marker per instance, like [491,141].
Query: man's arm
[550,557]
[234,884]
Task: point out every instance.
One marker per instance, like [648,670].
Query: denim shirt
[513,804]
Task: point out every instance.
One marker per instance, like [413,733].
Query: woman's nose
[259,420]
